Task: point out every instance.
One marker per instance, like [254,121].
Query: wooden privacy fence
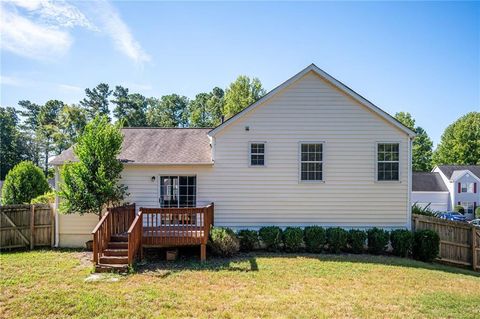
[26,226]
[459,242]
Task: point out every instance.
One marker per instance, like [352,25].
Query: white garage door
[438,200]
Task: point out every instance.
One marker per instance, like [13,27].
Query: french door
[178,191]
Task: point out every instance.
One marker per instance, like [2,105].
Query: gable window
[311,161]
[467,188]
[178,191]
[257,154]
[388,161]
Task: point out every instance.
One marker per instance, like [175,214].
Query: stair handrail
[101,235]
[134,235]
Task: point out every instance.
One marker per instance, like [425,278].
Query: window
[257,154]
[467,188]
[178,191]
[468,206]
[311,161]
[388,161]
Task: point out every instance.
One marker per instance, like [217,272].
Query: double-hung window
[467,187]
[257,154]
[311,162]
[388,161]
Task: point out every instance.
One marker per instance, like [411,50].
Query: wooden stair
[115,257]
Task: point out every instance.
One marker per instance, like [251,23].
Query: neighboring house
[310,152]
[448,186]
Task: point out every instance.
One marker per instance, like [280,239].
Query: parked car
[453,216]
[475,222]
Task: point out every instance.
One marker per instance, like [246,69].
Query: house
[447,186]
[310,152]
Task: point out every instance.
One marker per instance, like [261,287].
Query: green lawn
[51,284]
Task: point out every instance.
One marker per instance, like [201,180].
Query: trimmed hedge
[337,239]
[356,240]
[223,242]
[248,239]
[401,241]
[426,245]
[271,236]
[377,240]
[315,238]
[293,239]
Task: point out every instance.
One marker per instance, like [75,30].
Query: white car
[475,222]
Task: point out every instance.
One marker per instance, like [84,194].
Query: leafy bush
[271,236]
[477,212]
[47,198]
[426,245]
[427,211]
[315,238]
[248,239]
[23,182]
[356,240]
[459,209]
[293,238]
[402,241]
[223,242]
[337,239]
[377,240]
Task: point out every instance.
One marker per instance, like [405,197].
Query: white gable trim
[466,171]
[339,85]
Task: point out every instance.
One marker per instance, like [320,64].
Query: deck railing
[135,233]
[117,220]
[177,226]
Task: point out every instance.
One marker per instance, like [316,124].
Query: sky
[422,57]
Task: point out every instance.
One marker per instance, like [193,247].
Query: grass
[51,284]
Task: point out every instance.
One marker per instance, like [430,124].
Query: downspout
[57,236]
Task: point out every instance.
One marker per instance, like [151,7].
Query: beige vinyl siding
[74,229]
[308,110]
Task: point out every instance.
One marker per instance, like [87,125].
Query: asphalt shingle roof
[158,146]
[428,182]
[448,170]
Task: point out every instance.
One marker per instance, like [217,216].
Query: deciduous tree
[169,111]
[241,93]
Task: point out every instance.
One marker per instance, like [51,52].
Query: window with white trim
[388,161]
[468,206]
[178,191]
[311,162]
[257,154]
[467,187]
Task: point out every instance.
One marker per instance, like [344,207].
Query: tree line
[36,132]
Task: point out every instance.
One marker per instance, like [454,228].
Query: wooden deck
[121,235]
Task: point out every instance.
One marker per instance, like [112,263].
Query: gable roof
[161,146]
[428,182]
[452,172]
[330,79]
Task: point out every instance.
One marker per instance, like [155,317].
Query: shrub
[47,198]
[223,242]
[419,210]
[271,236]
[248,239]
[426,245]
[337,239]
[477,212]
[315,238]
[23,182]
[401,240]
[293,239]
[377,240]
[459,209]
[356,240]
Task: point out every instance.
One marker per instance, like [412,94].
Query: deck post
[203,252]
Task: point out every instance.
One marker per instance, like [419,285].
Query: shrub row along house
[447,186]
[310,152]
